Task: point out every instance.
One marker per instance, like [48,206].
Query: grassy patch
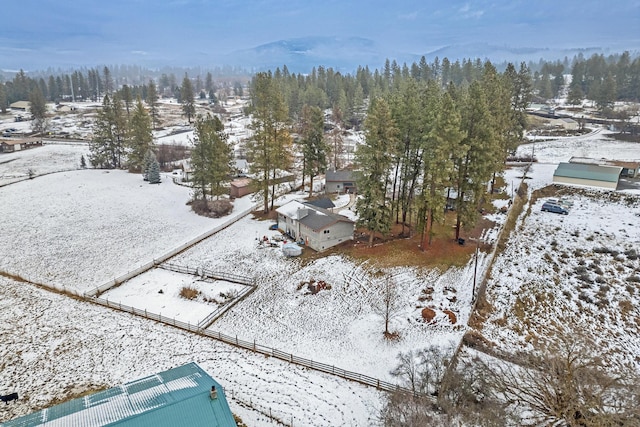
[189,293]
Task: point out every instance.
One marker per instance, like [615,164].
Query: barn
[178,397]
[591,175]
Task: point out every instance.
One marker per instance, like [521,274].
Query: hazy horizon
[44,33]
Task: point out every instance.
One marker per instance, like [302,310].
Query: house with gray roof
[592,175]
[181,396]
[317,228]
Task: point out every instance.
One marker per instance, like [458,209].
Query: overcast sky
[90,32]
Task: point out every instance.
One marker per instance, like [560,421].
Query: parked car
[554,208]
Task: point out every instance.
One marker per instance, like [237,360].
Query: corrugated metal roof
[588,171]
[177,397]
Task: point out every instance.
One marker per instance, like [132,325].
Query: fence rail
[262,349]
[209,274]
[157,261]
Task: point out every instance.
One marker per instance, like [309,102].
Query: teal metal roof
[173,398]
[588,171]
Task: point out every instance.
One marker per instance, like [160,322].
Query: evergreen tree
[314,148]
[83,162]
[187,98]
[475,159]
[441,145]
[140,138]
[154,171]
[38,110]
[110,135]
[211,157]
[413,118]
[148,158]
[337,149]
[152,102]
[108,81]
[3,99]
[208,83]
[270,145]
[127,98]
[374,158]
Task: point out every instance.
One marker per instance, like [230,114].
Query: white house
[317,228]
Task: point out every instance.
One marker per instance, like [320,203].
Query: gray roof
[318,218]
[339,176]
[324,203]
[588,171]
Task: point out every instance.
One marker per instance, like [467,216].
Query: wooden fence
[249,287]
[262,349]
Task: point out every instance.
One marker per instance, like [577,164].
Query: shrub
[189,293]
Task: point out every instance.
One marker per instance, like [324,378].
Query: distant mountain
[302,54]
[497,54]
[346,54]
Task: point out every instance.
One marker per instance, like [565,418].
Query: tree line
[426,139]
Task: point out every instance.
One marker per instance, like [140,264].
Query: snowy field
[79,229]
[42,160]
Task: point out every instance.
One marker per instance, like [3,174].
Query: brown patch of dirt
[428,315]
[398,250]
[452,316]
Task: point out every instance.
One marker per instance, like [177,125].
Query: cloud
[467,12]
[140,52]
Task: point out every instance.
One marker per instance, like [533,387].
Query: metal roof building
[177,397]
[591,175]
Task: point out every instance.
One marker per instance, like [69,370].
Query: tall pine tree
[140,138]
[313,146]
[374,158]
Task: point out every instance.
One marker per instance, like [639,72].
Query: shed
[178,397]
[20,105]
[340,181]
[566,123]
[12,145]
[240,187]
[591,175]
[630,168]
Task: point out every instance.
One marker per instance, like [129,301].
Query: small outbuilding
[566,123]
[13,145]
[591,175]
[182,396]
[20,106]
[240,187]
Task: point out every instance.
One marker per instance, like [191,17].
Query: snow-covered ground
[81,228]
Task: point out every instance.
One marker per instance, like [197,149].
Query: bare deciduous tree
[569,386]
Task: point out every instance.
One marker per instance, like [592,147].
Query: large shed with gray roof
[588,175]
[317,228]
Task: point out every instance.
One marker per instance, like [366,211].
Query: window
[326,231]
